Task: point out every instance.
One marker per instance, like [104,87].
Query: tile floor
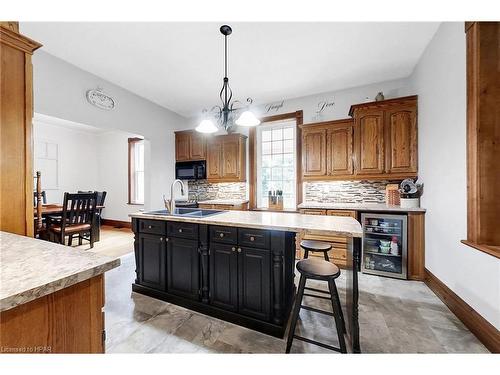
[395,317]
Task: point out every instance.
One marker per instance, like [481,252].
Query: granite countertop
[359,207]
[293,222]
[230,202]
[31,268]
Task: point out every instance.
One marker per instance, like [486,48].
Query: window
[135,171]
[274,155]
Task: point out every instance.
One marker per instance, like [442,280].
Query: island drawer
[182,230]
[152,226]
[222,234]
[254,238]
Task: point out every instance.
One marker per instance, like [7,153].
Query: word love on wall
[322,108]
[100,100]
[274,107]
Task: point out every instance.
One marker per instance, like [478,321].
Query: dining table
[57,209]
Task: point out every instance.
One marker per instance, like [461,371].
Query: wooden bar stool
[322,270]
[315,246]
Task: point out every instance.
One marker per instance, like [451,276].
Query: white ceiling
[180,65]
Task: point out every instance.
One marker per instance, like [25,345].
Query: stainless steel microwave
[191,170]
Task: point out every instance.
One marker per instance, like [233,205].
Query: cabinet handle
[252,238]
[180,230]
[166,239]
[233,248]
[221,235]
[161,239]
[239,249]
[150,226]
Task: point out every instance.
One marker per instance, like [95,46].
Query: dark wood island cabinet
[241,275]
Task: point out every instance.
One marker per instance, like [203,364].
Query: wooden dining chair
[77,218]
[101,196]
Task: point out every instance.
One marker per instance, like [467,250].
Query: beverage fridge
[384,245]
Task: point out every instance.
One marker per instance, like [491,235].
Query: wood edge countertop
[32,268]
[358,207]
[328,225]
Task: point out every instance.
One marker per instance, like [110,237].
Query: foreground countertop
[292,222]
[358,207]
[229,202]
[31,268]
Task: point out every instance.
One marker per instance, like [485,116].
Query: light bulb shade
[206,126]
[247,118]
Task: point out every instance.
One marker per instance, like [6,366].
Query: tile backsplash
[202,190]
[346,191]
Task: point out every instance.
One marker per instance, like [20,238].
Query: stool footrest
[317,290]
[316,310]
[305,339]
[316,296]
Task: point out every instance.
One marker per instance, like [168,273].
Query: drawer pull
[233,248]
[221,235]
[166,239]
[252,238]
[180,230]
[239,249]
[150,226]
[161,239]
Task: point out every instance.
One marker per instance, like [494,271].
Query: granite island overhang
[236,265]
[51,296]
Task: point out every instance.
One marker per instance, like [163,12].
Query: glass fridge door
[384,245]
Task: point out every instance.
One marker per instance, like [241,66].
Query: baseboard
[480,327]
[117,223]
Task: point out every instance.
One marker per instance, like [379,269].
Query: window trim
[131,145]
[252,155]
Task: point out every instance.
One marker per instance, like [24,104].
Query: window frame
[252,146]
[132,142]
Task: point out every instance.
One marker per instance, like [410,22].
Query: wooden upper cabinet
[314,152]
[385,138]
[369,142]
[226,158]
[339,155]
[401,140]
[189,145]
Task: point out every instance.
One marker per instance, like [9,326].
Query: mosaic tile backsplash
[346,191]
[202,190]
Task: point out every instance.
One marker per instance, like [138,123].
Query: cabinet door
[369,142]
[339,143]
[401,143]
[152,261]
[224,276]
[182,141]
[231,158]
[183,267]
[254,271]
[214,170]
[314,152]
[197,147]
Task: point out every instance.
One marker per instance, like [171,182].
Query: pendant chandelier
[226,113]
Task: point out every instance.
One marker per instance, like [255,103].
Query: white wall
[77,158]
[440,81]
[113,174]
[59,91]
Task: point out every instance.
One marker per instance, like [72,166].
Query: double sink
[187,212]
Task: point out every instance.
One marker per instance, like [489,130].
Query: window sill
[135,204]
[488,249]
[268,210]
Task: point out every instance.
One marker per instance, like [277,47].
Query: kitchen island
[236,265]
[51,297]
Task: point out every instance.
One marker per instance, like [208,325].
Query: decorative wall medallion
[99,99]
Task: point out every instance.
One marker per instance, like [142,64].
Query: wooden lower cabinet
[183,262]
[241,275]
[338,253]
[224,276]
[70,320]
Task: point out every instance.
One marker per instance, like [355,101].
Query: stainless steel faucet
[171,203]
